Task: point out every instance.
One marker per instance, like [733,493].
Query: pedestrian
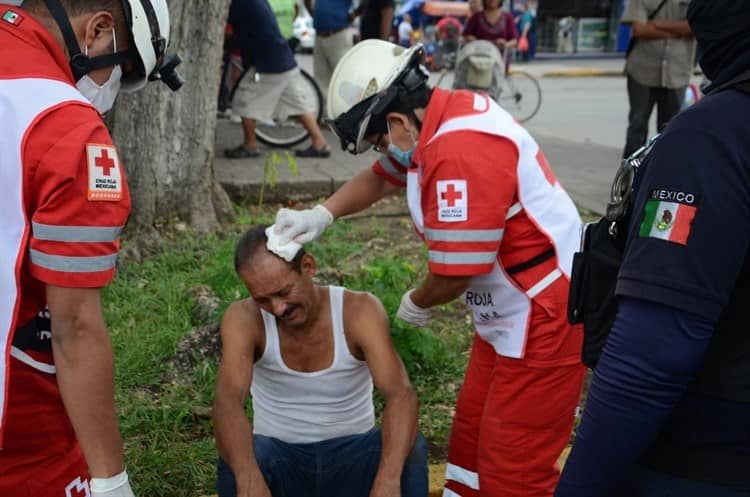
[310,354]
[499,229]
[333,36]
[272,84]
[527,28]
[376,19]
[565,28]
[668,409]
[493,24]
[405,30]
[65,200]
[659,64]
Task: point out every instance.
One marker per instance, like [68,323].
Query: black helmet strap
[81,64]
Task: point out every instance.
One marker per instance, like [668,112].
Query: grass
[149,308]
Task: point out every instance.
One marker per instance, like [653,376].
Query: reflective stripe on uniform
[513,210]
[68,264]
[31,362]
[462,476]
[543,283]
[75,234]
[447,492]
[462,257]
[390,169]
[464,235]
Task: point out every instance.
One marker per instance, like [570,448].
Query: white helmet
[148,26]
[366,80]
[149,30]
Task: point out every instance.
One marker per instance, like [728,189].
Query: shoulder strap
[658,9]
[740,82]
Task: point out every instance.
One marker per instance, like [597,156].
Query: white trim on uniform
[462,476]
[31,362]
[542,284]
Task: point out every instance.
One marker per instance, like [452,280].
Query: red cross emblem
[105,162]
[451,195]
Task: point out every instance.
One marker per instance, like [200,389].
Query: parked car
[305,32]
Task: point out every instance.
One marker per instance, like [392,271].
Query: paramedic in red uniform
[64,202]
[499,229]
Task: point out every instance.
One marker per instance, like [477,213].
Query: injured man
[309,355]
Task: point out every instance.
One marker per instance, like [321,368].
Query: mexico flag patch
[12,17]
[669,215]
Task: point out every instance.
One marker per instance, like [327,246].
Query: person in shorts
[272,87]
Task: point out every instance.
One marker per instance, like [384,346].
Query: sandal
[311,151]
[241,152]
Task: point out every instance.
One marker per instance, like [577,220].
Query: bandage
[286,251]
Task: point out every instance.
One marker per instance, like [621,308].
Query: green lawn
[163,396]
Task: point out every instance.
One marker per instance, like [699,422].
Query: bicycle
[281,131]
[518,92]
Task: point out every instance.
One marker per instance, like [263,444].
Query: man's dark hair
[254,240]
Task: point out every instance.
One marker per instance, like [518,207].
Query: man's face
[279,289]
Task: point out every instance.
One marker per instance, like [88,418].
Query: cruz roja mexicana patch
[669,215]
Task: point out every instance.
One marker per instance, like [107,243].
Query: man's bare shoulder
[365,318]
[242,321]
[363,304]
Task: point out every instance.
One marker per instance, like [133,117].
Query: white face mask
[102,97]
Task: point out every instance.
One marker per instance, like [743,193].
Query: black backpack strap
[740,82]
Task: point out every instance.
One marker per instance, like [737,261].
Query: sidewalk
[584,169]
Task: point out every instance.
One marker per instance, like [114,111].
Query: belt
[326,34]
[534,261]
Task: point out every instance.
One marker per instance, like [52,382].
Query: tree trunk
[166,139]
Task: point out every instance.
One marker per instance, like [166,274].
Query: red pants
[40,455]
[512,422]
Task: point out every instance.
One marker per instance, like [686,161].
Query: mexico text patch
[669,215]
[452,200]
[105,178]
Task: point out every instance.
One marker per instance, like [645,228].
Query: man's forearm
[85,376]
[399,432]
[234,441]
[648,31]
[676,28]
[438,289]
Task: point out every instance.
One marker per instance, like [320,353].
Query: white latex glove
[408,311]
[116,486]
[302,226]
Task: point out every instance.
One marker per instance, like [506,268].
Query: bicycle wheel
[521,95]
[286,131]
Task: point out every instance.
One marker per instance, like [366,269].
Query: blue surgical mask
[403,157]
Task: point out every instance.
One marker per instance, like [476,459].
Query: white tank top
[299,407]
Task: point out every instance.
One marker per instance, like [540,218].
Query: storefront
[579,26]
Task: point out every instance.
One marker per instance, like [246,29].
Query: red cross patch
[105,178]
[452,200]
